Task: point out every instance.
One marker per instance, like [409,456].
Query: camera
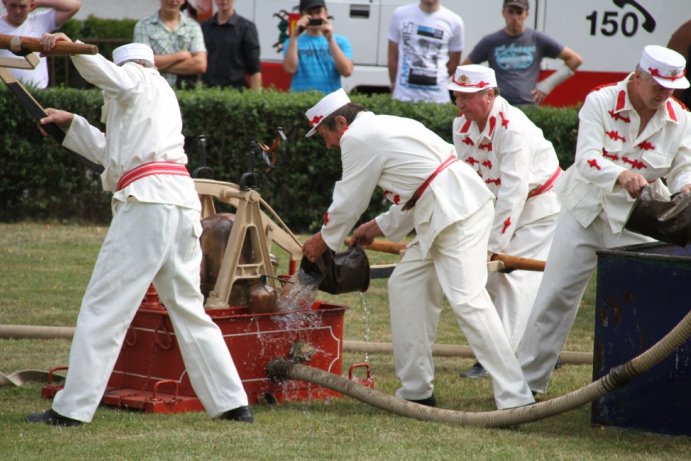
[312,22]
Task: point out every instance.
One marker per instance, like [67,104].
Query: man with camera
[313,54]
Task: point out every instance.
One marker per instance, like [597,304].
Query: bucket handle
[355,366]
[161,383]
[51,372]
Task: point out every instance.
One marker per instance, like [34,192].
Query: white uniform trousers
[457,268]
[513,294]
[570,264]
[147,242]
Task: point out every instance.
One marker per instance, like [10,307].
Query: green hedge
[107,34]
[40,181]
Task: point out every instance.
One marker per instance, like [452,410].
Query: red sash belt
[546,186]
[423,187]
[151,168]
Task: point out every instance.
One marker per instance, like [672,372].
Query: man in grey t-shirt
[515,53]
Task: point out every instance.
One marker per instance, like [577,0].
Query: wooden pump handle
[516,262]
[383,246]
[510,262]
[19,43]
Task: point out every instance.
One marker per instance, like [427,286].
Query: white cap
[325,107]
[472,78]
[133,51]
[666,66]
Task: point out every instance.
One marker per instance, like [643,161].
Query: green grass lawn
[45,268]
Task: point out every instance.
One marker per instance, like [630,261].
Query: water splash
[298,294]
[365,311]
[296,300]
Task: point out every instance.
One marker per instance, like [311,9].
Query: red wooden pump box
[150,375]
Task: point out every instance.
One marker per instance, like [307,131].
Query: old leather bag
[665,220]
[338,273]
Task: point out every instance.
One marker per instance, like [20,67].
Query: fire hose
[286,369]
[291,369]
[283,369]
[21,377]
[438,350]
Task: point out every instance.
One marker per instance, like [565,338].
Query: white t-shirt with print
[424,42]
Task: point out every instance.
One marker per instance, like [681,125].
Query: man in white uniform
[450,208]
[154,237]
[519,166]
[630,135]
[21,19]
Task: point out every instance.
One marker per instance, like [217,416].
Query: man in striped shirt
[178,44]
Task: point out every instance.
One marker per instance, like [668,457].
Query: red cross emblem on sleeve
[606,153]
[507,223]
[635,164]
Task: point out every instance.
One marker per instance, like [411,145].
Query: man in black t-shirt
[232,44]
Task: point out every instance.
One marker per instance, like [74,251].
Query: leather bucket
[338,273]
[665,220]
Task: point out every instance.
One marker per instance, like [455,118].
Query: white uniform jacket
[152,242]
[151,132]
[609,143]
[513,158]
[398,155]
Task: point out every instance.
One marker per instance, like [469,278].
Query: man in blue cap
[315,56]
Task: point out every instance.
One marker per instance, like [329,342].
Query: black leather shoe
[477,371]
[557,365]
[242,414]
[52,418]
[429,401]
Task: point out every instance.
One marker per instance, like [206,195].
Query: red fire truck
[609,34]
